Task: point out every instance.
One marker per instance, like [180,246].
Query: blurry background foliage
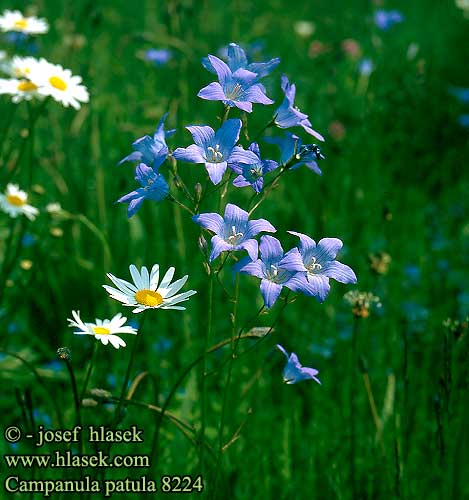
[395,182]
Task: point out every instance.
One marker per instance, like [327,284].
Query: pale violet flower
[294,372]
[233,231]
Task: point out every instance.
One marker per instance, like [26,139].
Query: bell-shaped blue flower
[319,261]
[276,270]
[253,175]
[237,59]
[148,149]
[234,88]
[294,372]
[287,115]
[233,231]
[154,187]
[216,150]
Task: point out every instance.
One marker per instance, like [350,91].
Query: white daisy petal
[176,286]
[167,278]
[154,277]
[136,277]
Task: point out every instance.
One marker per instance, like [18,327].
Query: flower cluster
[306,268]
[31,78]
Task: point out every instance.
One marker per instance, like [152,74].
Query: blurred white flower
[13,20]
[14,203]
[304,28]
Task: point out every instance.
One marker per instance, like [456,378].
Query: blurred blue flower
[252,175]
[413,273]
[237,59]
[12,327]
[461,94]
[463,120]
[163,345]
[276,270]
[21,41]
[54,365]
[384,19]
[366,67]
[42,417]
[28,240]
[154,187]
[158,57]
[150,150]
[288,115]
[216,150]
[319,261]
[233,231]
[234,88]
[294,372]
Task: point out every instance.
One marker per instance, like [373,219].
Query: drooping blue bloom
[237,59]
[234,88]
[28,240]
[21,41]
[216,150]
[292,151]
[154,187]
[294,372]
[287,115]
[319,261]
[366,67]
[233,231]
[276,270]
[151,150]
[384,19]
[252,175]
[158,57]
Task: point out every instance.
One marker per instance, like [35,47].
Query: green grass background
[397,182]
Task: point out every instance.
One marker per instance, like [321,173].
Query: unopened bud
[202,242]
[198,191]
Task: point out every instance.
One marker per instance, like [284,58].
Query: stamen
[313,266]
[214,154]
[234,236]
[148,298]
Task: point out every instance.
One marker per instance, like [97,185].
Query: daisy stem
[73,381]
[116,418]
[88,372]
[6,128]
[353,410]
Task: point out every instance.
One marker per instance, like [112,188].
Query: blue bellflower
[238,88]
[154,187]
[216,150]
[292,151]
[237,59]
[147,149]
[294,372]
[319,261]
[276,270]
[252,175]
[158,57]
[287,115]
[384,19]
[233,231]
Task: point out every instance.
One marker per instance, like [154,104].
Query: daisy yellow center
[100,330]
[26,86]
[15,200]
[57,83]
[21,24]
[148,298]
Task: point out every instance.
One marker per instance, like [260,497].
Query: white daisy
[20,90]
[13,20]
[14,202]
[53,80]
[20,67]
[145,292]
[103,329]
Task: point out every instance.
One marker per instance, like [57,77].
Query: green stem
[75,399]
[353,416]
[263,129]
[88,372]
[226,112]
[117,412]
